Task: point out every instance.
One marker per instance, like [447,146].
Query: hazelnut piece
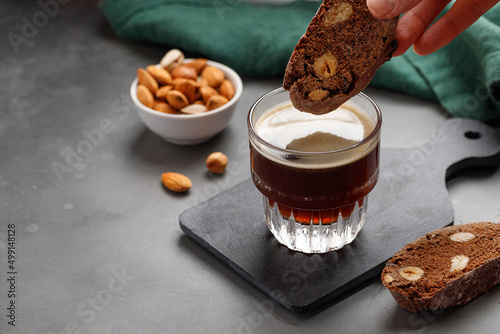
[318,94]
[338,13]
[411,273]
[326,65]
[388,278]
[217,162]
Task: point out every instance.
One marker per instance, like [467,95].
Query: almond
[226,89]
[198,64]
[163,90]
[197,95]
[147,80]
[145,96]
[178,80]
[176,182]
[185,72]
[462,236]
[207,92]
[195,83]
[217,162]
[459,262]
[216,101]
[163,107]
[176,99]
[159,74]
[172,59]
[213,75]
[194,109]
[202,82]
[186,88]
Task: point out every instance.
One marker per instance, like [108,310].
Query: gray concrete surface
[98,248]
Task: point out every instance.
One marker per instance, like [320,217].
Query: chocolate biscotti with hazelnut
[338,55]
[447,267]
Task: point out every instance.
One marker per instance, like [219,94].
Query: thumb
[385,9]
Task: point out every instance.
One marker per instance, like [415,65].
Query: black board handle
[465,143]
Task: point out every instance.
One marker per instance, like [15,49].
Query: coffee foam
[283,125]
[288,128]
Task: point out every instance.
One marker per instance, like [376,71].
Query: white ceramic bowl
[190,129]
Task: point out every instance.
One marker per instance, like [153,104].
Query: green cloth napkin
[257,40]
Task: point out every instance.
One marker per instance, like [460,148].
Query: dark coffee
[330,182]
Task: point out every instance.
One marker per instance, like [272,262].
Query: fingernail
[381,8]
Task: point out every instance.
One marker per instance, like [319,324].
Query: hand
[419,14]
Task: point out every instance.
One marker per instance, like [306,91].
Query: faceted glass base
[315,231]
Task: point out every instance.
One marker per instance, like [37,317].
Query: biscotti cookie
[338,55]
[447,267]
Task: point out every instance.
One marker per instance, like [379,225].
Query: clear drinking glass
[314,202]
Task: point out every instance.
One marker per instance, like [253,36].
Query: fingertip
[404,37]
[423,48]
[433,39]
[417,51]
[420,51]
[402,47]
[399,51]
[381,8]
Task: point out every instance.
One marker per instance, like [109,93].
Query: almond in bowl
[186,101]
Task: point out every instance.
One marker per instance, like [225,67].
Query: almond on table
[176,182]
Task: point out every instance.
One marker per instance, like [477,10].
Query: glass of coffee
[314,171]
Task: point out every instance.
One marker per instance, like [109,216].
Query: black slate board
[409,200]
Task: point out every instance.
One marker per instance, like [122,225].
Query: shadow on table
[154,149]
[264,304]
